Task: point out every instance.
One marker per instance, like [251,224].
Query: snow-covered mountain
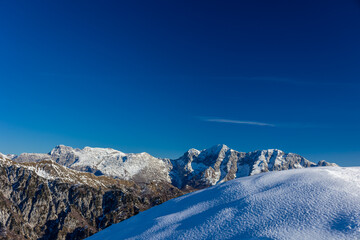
[195,169]
[141,167]
[312,203]
[220,163]
[45,200]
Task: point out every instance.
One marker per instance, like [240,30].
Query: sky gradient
[165,76]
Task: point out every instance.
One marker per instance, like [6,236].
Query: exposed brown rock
[44,200]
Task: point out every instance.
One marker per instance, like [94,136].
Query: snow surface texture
[197,169]
[311,203]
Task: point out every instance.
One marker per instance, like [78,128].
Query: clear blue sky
[165,76]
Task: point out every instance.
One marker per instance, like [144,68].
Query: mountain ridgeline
[195,169]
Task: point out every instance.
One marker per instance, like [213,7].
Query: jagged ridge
[195,169]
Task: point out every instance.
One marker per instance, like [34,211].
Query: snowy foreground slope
[311,203]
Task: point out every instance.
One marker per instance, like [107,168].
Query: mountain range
[72,193]
[195,169]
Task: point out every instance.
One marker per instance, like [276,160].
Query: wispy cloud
[278,125]
[237,122]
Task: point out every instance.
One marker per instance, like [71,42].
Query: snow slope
[311,203]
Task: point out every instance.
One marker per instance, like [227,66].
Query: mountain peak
[274,150]
[61,149]
[193,151]
[270,150]
[217,149]
[60,146]
[96,150]
[3,156]
[323,163]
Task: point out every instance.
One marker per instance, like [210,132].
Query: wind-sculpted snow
[312,203]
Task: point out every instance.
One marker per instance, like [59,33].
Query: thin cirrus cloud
[238,122]
[279,125]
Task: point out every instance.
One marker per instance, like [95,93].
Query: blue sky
[165,76]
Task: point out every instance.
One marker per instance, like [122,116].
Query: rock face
[199,169]
[194,170]
[44,200]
